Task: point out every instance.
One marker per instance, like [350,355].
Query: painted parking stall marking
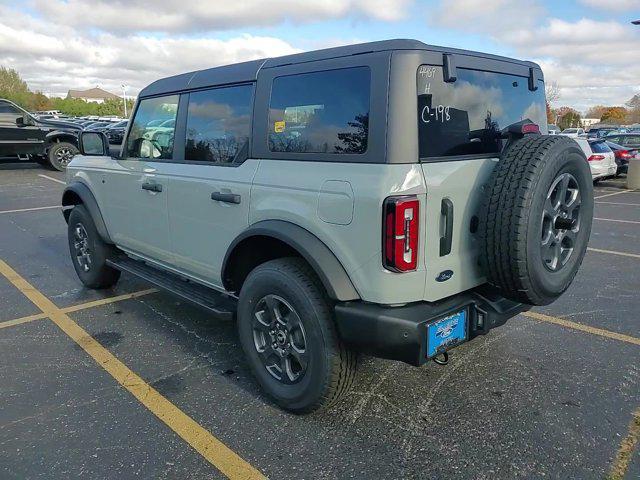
[81,306]
[17,210]
[213,450]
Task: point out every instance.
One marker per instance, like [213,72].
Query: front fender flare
[328,268]
[78,190]
[65,136]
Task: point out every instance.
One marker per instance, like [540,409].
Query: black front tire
[60,154]
[330,366]
[89,252]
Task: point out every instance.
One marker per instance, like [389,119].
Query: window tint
[631,140]
[464,117]
[321,112]
[9,113]
[218,124]
[153,128]
[599,147]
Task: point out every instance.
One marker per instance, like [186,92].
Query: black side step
[219,304]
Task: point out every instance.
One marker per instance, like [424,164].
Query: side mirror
[93,143]
[24,121]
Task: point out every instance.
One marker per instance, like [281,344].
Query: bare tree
[552,92]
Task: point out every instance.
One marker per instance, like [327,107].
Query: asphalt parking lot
[131,383]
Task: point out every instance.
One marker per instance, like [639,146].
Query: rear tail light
[623,154]
[595,158]
[400,236]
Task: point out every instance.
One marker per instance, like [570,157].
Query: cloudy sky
[588,47]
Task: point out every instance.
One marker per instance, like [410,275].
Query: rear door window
[219,124]
[320,112]
[465,117]
[153,129]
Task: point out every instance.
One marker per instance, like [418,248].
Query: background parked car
[623,154]
[51,142]
[628,140]
[572,132]
[554,130]
[115,133]
[600,132]
[601,158]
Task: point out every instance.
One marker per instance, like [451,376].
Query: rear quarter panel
[295,191]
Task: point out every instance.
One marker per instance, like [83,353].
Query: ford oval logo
[444,276]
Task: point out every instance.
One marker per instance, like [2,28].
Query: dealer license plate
[446,333]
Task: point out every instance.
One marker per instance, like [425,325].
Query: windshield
[465,117]
[570,130]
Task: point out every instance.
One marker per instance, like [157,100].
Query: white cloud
[187,16]
[616,5]
[53,59]
[593,61]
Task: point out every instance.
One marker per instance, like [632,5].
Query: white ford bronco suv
[391,198]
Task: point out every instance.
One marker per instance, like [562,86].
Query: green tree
[568,117]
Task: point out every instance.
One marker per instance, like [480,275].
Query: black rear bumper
[400,333]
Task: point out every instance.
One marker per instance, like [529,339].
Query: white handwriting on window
[439,113]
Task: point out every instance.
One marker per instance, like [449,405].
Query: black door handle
[226,197]
[152,187]
[446,209]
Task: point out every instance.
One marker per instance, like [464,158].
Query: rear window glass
[464,117]
[320,112]
[631,140]
[599,147]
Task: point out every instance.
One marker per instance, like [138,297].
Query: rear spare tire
[536,218]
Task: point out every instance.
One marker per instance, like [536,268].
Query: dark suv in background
[48,141]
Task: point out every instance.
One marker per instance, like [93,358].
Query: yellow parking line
[212,449]
[21,320]
[583,328]
[29,209]
[106,301]
[615,220]
[615,193]
[80,306]
[623,458]
[614,252]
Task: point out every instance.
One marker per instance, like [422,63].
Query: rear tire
[60,154]
[536,218]
[89,252]
[287,331]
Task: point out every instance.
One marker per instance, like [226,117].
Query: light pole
[124,98]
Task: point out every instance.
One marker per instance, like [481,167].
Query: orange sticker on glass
[278,127]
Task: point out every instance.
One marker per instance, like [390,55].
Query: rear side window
[631,140]
[153,128]
[218,124]
[320,112]
[600,147]
[465,117]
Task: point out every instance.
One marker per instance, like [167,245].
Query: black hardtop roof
[248,71]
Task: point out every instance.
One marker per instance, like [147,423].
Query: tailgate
[458,186]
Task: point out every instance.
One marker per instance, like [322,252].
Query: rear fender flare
[328,268]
